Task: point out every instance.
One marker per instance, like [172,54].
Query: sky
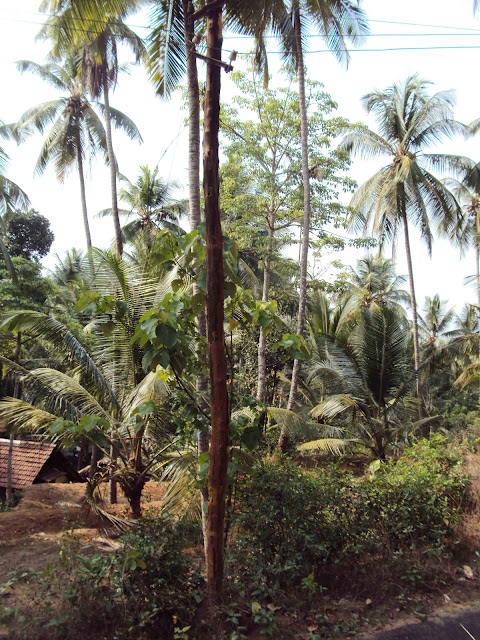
[437,39]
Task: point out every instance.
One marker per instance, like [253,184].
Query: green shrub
[149,588]
[8,506]
[292,523]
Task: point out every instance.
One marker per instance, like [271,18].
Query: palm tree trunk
[413,300]
[112,486]
[195,210]
[9,493]
[217,473]
[16,394]
[262,341]
[283,440]
[113,169]
[86,225]
[193,119]
[116,223]
[477,271]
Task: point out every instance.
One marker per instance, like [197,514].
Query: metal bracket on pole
[219,63]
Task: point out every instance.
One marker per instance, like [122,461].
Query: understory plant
[293,523]
[150,586]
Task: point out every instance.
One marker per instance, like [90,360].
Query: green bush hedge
[291,522]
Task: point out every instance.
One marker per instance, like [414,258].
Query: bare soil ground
[31,535]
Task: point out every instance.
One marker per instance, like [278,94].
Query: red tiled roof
[28,458]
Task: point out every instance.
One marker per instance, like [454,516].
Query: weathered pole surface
[217,474]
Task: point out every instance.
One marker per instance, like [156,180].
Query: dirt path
[30,533]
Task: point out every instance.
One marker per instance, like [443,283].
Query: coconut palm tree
[150,205]
[105,394]
[436,319]
[99,68]
[367,376]
[68,269]
[404,191]
[12,197]
[99,75]
[375,280]
[338,22]
[467,230]
[75,130]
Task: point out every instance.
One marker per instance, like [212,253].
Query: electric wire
[370,20]
[317,51]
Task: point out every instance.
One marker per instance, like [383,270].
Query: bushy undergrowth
[149,588]
[296,534]
[293,526]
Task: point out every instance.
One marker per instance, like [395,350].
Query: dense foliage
[293,523]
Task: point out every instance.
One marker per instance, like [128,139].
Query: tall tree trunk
[477,272]
[217,473]
[193,119]
[195,208]
[118,231]
[413,300]
[16,394]
[113,169]
[302,300]
[86,224]
[9,493]
[262,340]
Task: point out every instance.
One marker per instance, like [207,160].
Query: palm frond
[366,144]
[295,424]
[38,324]
[66,387]
[166,51]
[50,73]
[24,416]
[182,497]
[12,197]
[335,405]
[325,445]
[123,122]
[39,117]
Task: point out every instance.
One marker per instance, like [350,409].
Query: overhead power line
[376,35]
[370,20]
[351,51]
[418,24]
[466,32]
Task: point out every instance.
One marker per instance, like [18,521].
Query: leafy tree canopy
[28,235]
